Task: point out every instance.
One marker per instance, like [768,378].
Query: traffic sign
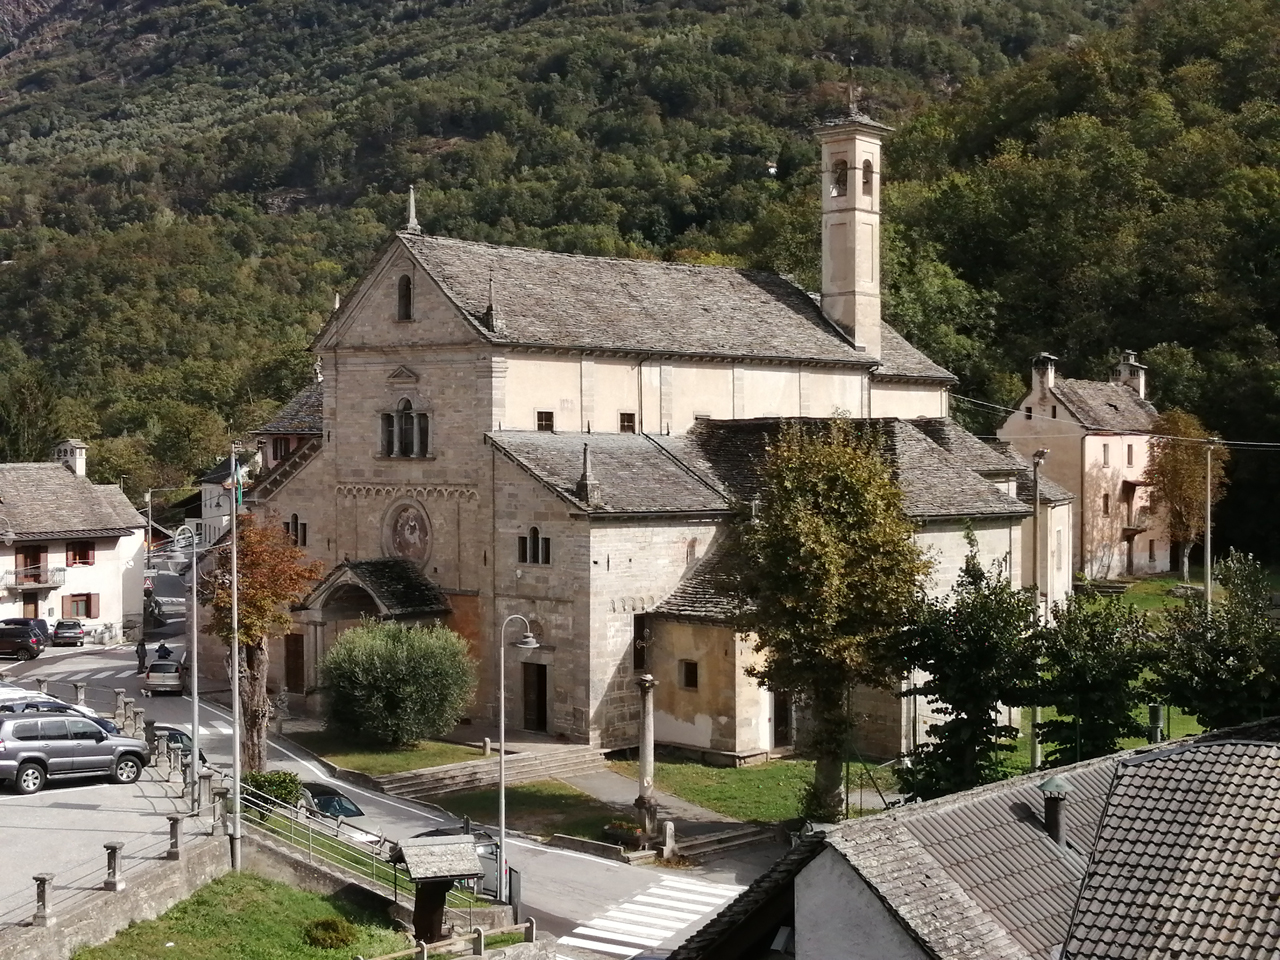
[146,584]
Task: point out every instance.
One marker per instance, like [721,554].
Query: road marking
[664,913]
[727,888]
[623,913]
[104,675]
[689,898]
[622,937]
[626,952]
[672,905]
[606,924]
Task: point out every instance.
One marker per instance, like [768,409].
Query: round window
[408,532]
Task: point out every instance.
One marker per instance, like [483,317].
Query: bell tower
[851,226]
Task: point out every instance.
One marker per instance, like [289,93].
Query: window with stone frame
[546,421]
[405,433]
[840,178]
[279,448]
[626,423]
[533,547]
[404,298]
[868,178]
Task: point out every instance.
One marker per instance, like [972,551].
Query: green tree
[1220,663]
[1177,467]
[1094,656]
[397,683]
[970,652]
[272,575]
[29,424]
[831,570]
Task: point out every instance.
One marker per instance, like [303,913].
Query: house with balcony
[69,547]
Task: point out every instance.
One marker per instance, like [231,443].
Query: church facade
[499,432]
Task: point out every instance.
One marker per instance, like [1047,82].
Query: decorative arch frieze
[370,491]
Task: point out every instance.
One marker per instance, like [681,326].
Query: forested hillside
[1123,194]
[185,183]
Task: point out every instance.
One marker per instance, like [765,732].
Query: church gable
[396,303]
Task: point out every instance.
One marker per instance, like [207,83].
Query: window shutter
[66,607]
[93,606]
[93,552]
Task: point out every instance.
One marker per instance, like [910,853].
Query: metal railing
[37,576]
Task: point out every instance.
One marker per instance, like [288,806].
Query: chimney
[851,226]
[588,488]
[71,454]
[1131,373]
[1042,366]
[1055,791]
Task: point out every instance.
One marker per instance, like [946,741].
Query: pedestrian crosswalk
[213,728]
[659,916]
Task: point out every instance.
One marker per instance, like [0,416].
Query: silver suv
[33,750]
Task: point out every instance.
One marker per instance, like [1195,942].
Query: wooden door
[782,736]
[535,696]
[31,605]
[295,664]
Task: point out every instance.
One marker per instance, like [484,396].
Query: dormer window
[867,175]
[840,178]
[404,298]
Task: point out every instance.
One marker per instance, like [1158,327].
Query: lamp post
[235,664]
[151,529]
[527,642]
[8,535]
[193,670]
[1208,521]
[1037,460]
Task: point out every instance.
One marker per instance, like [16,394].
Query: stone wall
[148,893]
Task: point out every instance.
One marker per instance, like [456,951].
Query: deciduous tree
[1175,473]
[976,651]
[272,575]
[830,570]
[1094,656]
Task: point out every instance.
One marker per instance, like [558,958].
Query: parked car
[163,676]
[176,737]
[35,703]
[68,632]
[329,802]
[22,642]
[34,750]
[39,624]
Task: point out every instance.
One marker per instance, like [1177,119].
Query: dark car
[52,705]
[41,625]
[34,749]
[24,643]
[177,738]
[69,632]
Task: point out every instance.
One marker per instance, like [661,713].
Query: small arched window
[407,431]
[293,529]
[404,309]
[691,550]
[840,178]
[533,548]
[867,175]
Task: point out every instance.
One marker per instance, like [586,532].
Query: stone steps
[722,840]
[565,761]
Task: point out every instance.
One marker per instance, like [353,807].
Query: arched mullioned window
[405,411]
[840,178]
[407,432]
[867,176]
[533,548]
[404,309]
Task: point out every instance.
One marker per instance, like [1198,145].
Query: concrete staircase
[286,468]
[547,763]
[742,835]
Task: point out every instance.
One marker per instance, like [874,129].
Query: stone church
[499,431]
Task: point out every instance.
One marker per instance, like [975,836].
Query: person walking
[141,651]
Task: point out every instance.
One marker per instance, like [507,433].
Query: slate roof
[1185,863]
[1102,405]
[965,447]
[46,501]
[222,472]
[707,594]
[899,360]
[1050,492]
[439,858]
[302,414]
[398,585]
[635,474]
[562,300]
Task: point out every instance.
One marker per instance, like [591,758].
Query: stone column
[43,917]
[79,692]
[175,836]
[646,806]
[115,873]
[42,685]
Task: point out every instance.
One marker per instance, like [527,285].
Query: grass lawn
[541,808]
[1178,724]
[374,761]
[765,792]
[243,915]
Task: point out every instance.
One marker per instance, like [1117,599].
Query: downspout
[1084,499]
[640,391]
[493,545]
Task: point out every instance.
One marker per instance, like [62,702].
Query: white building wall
[908,400]
[838,915]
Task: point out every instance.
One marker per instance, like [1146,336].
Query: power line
[1215,441]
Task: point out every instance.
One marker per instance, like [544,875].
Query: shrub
[330,932]
[281,785]
[396,684]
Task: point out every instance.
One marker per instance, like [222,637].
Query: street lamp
[193,670]
[1208,510]
[151,530]
[8,535]
[235,664]
[527,642]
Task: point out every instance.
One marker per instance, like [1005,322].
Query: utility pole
[1208,522]
[1037,459]
[235,664]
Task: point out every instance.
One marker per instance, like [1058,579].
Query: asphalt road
[580,897]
